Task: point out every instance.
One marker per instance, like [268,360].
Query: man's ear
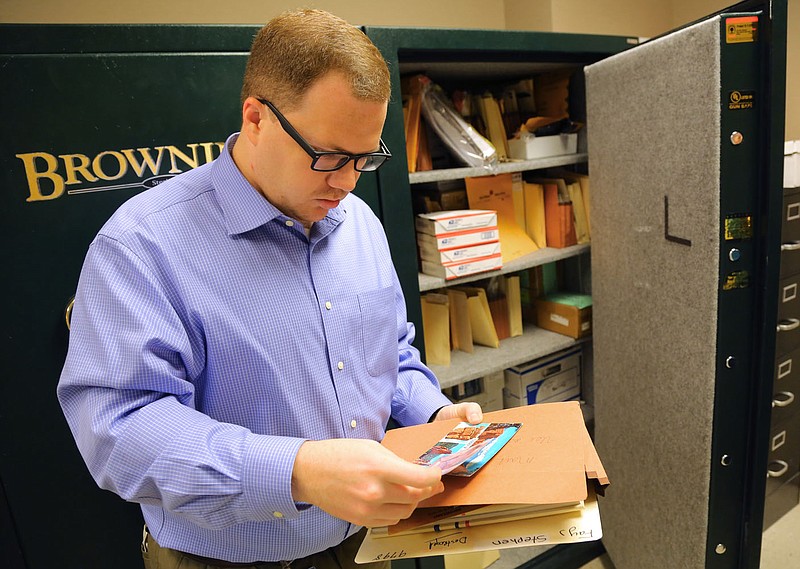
[253,112]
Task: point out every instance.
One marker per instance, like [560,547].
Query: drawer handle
[788,325]
[784,466]
[789,399]
[790,246]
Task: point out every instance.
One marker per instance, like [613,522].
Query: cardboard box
[529,147]
[564,313]
[432,244]
[463,268]
[435,199]
[486,391]
[459,254]
[791,164]
[556,377]
[443,222]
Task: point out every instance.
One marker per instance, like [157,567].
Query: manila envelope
[480,317]
[497,193]
[460,328]
[436,328]
[546,462]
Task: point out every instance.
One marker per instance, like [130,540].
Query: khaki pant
[340,557]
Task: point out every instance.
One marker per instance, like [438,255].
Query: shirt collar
[244,207]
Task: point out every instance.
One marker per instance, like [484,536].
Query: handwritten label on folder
[571,527]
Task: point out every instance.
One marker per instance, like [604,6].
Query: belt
[297,564]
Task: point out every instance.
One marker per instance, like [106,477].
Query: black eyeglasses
[328,161]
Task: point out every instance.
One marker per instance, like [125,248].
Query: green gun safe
[94,114]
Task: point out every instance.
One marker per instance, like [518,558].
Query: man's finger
[414,475]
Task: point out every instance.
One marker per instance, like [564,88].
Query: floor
[780,548]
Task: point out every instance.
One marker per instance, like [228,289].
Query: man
[239,337]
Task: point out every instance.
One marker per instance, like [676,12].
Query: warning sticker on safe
[743,29]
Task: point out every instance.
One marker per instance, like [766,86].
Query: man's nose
[344,178]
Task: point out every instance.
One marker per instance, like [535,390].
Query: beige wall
[428,13]
[641,18]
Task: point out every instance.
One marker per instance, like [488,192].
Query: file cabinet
[783,470]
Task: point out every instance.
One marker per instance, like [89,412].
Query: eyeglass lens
[330,162]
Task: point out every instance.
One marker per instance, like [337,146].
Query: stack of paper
[534,491]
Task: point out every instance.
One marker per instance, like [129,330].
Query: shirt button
[289,223]
[340,365]
[277,514]
[328,304]
[353,423]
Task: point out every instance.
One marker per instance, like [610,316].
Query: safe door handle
[790,246]
[783,467]
[788,325]
[788,399]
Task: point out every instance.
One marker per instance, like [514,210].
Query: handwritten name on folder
[546,463]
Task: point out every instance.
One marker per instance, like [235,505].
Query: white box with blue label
[556,377]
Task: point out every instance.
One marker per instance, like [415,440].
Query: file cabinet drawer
[790,226]
[789,298]
[788,335]
[781,501]
[790,257]
[784,454]
[786,387]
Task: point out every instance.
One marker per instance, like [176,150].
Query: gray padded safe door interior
[653,133]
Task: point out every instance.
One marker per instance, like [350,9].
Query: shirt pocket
[379,330]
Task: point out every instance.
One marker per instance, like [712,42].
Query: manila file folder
[548,461]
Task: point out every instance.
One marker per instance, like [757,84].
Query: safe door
[684,138]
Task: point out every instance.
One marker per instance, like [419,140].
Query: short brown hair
[296,48]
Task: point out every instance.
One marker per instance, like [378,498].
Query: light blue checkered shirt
[210,337]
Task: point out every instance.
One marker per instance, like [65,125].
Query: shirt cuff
[267,477]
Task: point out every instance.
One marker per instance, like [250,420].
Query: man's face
[329,118]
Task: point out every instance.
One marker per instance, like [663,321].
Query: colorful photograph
[466,448]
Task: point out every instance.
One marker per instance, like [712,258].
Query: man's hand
[470,412]
[360,481]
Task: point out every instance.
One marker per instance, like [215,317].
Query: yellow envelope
[480,317]
[497,193]
[436,328]
[460,328]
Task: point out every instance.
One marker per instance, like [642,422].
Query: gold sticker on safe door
[738,227]
[736,279]
[741,100]
[741,30]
